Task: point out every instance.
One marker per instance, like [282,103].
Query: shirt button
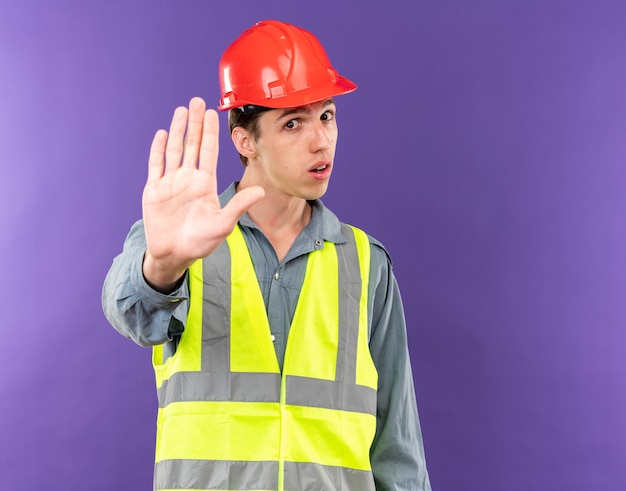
[273,338]
[318,243]
[276,276]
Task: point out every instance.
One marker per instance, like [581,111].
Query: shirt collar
[324,224]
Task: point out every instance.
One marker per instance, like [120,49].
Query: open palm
[182,215]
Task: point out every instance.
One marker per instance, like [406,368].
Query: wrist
[163,275]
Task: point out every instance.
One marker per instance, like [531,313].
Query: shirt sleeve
[397,453]
[133,307]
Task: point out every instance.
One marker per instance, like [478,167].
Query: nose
[321,139]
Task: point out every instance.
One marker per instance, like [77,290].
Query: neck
[281,218]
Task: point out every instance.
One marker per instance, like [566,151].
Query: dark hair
[249,122]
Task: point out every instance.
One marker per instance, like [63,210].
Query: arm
[397,453]
[182,222]
[132,306]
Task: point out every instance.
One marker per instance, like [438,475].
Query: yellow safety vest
[229,420]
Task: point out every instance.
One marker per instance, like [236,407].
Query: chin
[315,194]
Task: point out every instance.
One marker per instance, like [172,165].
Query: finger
[193,138]
[241,202]
[157,153]
[174,148]
[210,142]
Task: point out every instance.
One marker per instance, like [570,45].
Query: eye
[291,124]
[327,116]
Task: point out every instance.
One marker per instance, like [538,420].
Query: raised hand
[182,216]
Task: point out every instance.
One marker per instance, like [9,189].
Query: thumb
[242,201]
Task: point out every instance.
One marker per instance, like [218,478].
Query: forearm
[397,453]
[131,305]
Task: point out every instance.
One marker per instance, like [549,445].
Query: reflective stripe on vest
[229,420]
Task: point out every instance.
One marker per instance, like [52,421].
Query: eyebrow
[303,109]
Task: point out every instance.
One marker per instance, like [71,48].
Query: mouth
[320,169]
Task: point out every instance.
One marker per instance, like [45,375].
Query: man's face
[295,150]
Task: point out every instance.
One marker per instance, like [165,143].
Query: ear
[243,141]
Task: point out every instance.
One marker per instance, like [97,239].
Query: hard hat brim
[299,98]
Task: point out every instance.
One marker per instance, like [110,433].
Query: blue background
[485,147]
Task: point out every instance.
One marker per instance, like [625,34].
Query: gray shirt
[149,318]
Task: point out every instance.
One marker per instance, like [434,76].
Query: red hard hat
[277,65]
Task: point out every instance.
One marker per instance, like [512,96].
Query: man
[279,341]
